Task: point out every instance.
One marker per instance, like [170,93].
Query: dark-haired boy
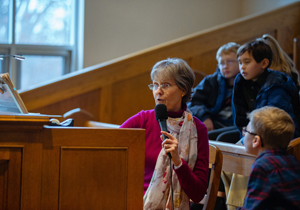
[274,182]
[256,86]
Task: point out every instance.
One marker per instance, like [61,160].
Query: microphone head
[161,112]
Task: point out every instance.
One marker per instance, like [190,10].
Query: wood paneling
[95,165]
[10,177]
[61,107]
[107,162]
[131,95]
[122,83]
[45,167]
[20,136]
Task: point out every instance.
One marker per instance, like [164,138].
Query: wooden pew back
[235,159]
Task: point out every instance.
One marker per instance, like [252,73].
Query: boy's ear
[256,142]
[265,62]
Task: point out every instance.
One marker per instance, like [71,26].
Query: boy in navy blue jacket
[211,101]
[256,86]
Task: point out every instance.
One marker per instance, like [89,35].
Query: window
[45,32]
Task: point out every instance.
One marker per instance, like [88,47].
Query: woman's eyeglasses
[163,86]
[244,131]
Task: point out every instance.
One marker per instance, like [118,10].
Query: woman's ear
[265,62]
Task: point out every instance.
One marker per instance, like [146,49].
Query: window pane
[44,22]
[4,21]
[38,69]
[2,65]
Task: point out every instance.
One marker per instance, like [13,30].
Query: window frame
[70,54]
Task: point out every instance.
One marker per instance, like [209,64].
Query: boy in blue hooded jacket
[257,86]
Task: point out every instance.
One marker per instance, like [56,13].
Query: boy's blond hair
[227,48]
[274,126]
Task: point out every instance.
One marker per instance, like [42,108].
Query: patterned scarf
[158,194]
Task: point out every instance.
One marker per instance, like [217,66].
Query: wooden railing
[115,90]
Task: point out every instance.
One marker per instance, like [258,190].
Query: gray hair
[177,70]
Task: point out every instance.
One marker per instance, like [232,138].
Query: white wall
[258,6]
[113,28]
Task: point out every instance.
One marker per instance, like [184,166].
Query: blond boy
[211,101]
[274,182]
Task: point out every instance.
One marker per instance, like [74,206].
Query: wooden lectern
[69,168]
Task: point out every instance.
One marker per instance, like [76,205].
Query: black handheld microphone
[161,115]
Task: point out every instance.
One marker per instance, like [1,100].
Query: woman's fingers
[168,135]
[170,143]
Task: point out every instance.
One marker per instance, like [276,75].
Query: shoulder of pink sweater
[199,123]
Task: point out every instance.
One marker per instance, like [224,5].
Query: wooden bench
[237,160]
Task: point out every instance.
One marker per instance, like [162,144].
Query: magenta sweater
[194,183]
